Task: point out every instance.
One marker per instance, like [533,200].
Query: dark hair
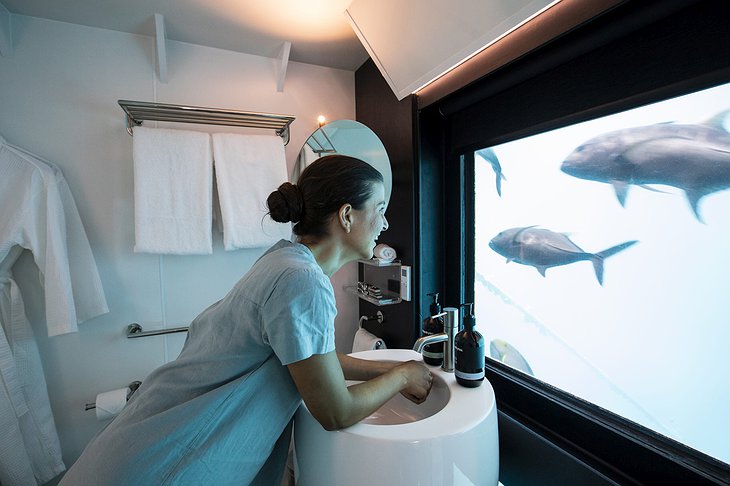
[324,186]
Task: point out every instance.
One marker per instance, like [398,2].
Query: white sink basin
[450,439]
[400,410]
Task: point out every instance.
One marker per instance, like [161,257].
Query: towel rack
[139,111]
[319,146]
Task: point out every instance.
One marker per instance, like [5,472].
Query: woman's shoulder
[291,260]
[288,253]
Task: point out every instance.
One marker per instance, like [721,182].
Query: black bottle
[469,353]
[433,354]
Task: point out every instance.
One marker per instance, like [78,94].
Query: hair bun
[286,203]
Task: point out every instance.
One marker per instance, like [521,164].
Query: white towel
[306,156]
[173,191]
[248,168]
[384,253]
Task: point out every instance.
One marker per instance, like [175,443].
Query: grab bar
[134,330]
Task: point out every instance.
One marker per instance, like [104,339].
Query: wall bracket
[283,63]
[160,48]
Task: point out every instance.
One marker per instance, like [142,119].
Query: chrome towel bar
[134,330]
[138,111]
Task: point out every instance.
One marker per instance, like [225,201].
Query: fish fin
[514,238]
[652,189]
[598,268]
[542,270]
[718,149]
[717,121]
[566,250]
[622,189]
[509,260]
[693,197]
[488,155]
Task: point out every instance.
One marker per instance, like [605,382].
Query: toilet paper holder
[132,388]
[377,317]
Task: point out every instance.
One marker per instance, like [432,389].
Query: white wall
[58,100]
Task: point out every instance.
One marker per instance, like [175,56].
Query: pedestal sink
[450,439]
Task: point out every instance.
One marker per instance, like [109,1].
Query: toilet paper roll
[109,404]
[365,341]
[384,252]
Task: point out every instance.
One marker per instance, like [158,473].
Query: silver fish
[489,155]
[542,249]
[504,352]
[694,158]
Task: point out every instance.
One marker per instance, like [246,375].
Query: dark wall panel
[393,121]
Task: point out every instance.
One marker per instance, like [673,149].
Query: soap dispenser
[433,354]
[469,352]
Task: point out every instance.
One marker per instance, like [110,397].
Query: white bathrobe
[38,214]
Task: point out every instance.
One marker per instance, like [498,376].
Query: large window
[617,234]
[610,148]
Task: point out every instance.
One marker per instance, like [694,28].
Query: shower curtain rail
[139,111]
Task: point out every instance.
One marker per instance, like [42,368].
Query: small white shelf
[388,297]
[374,262]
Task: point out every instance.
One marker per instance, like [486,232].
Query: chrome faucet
[451,327]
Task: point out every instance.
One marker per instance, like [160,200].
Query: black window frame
[656,38]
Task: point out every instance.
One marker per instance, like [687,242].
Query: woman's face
[369,222]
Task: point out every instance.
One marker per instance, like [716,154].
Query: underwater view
[603,263]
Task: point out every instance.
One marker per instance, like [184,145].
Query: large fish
[694,158]
[542,249]
[504,352]
[489,155]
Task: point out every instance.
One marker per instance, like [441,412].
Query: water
[650,343]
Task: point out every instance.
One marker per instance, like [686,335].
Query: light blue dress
[220,413]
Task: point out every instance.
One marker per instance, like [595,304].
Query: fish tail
[500,178]
[615,249]
[598,268]
[597,259]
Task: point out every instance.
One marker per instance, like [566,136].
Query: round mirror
[346,137]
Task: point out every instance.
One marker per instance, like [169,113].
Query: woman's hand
[419,379]
[320,380]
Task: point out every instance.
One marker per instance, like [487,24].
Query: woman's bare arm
[363,369]
[320,380]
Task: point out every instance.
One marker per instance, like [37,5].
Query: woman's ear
[345,217]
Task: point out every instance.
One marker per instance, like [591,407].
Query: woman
[221,412]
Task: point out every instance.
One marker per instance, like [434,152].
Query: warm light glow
[298,21]
[321,120]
